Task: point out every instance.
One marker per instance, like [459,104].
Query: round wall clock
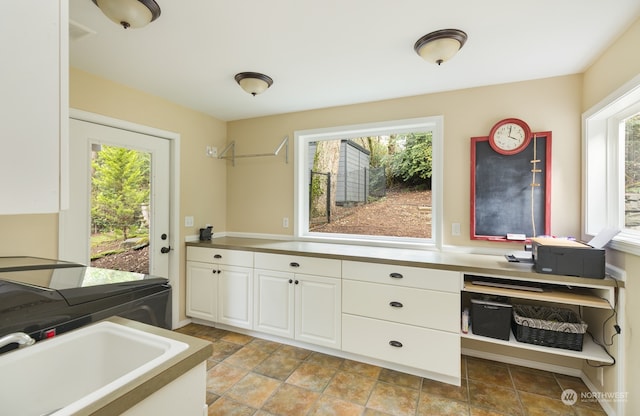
[510,136]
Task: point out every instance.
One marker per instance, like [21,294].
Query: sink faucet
[18,337]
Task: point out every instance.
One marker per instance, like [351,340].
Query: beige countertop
[485,264]
[144,386]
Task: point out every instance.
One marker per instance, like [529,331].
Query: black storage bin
[491,318]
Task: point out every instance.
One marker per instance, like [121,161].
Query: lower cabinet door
[235,296]
[318,310]
[426,349]
[273,302]
[202,291]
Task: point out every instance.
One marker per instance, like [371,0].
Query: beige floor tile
[236,338]
[373,412]
[290,400]
[311,376]
[325,360]
[489,372]
[536,382]
[363,369]
[588,411]
[568,382]
[247,358]
[221,377]
[253,390]
[351,387]
[477,411]
[227,407]
[333,406]
[400,379]
[429,405]
[494,397]
[263,344]
[396,400]
[293,352]
[447,391]
[537,405]
[222,350]
[277,366]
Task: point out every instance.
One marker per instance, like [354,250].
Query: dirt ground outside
[401,213]
[132,260]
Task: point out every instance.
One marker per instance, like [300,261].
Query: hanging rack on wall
[232,146]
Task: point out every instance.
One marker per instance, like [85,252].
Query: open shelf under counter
[590,350]
[569,296]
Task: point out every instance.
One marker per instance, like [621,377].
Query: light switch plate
[188,221]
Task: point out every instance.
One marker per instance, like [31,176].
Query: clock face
[510,136]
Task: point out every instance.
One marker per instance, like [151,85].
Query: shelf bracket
[232,147]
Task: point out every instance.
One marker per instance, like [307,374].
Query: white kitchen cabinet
[403,315]
[202,291]
[235,296]
[34,94]
[220,286]
[303,306]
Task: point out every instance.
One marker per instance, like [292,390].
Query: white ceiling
[334,52]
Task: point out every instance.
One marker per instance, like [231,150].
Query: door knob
[165,250]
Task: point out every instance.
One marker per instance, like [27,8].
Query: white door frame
[174,193]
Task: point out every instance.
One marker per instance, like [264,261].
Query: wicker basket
[549,327]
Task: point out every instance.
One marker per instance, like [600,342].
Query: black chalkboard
[501,190]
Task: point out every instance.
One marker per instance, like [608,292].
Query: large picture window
[370,183]
[612,167]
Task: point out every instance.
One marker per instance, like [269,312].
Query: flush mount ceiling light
[130,13]
[441,45]
[253,82]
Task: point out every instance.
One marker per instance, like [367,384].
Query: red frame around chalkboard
[547,184]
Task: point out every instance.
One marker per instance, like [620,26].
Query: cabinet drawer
[220,256]
[299,264]
[422,348]
[422,278]
[425,308]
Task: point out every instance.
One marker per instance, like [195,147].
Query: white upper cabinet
[34,103]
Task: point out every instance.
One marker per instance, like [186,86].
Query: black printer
[568,257]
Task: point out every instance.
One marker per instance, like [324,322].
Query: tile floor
[251,376]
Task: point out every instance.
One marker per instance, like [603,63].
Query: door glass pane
[120,207]
[632,173]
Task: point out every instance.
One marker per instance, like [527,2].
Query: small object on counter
[206,233]
[465,321]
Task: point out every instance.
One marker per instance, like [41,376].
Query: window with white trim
[611,167]
[353,156]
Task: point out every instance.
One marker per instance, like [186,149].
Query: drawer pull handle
[395,304]
[294,264]
[396,344]
[217,256]
[396,276]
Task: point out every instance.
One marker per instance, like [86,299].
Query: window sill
[626,242]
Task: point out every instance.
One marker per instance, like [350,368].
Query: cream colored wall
[29,235]
[619,64]
[260,191]
[202,179]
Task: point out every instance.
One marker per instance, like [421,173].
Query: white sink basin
[64,374]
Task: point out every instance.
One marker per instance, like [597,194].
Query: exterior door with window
[87,140]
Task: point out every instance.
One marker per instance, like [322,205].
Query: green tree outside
[120,186]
